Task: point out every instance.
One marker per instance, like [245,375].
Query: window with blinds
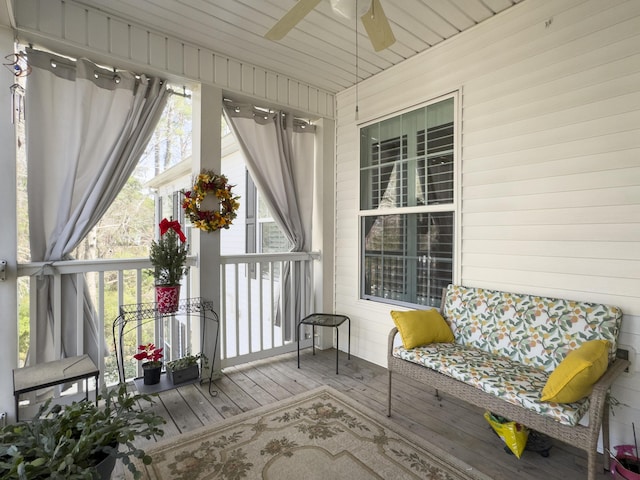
[407,207]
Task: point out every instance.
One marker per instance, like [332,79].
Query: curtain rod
[258,110]
[67,62]
[183,94]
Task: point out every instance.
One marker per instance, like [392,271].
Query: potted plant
[185,368]
[168,257]
[152,365]
[81,440]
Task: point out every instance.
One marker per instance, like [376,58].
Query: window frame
[453,207]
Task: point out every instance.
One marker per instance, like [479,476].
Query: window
[270,237]
[407,205]
[263,233]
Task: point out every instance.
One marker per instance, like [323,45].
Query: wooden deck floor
[454,425]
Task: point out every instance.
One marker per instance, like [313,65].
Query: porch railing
[253,321]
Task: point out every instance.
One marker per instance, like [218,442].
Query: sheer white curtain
[86,128]
[279,152]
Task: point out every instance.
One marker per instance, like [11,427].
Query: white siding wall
[233,166]
[550,163]
[74,30]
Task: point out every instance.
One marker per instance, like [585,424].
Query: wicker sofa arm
[392,337]
[601,388]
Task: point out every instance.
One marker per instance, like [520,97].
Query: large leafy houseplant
[67,442]
[168,254]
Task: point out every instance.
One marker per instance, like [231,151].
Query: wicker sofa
[506,347]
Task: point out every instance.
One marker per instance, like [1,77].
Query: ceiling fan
[370,12]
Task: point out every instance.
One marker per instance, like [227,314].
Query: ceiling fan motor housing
[350,9]
[376,24]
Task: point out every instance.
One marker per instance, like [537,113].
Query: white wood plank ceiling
[321,49]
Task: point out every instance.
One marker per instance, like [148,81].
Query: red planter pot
[167,298]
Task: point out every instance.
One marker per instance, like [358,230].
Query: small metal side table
[325,320]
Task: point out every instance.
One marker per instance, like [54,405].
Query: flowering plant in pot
[168,257]
[152,363]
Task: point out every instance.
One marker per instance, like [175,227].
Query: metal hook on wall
[18,64]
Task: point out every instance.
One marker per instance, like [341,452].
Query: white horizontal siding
[561,216]
[623,250]
[598,267]
[550,161]
[76,30]
[559,233]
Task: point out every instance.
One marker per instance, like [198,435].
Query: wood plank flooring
[454,425]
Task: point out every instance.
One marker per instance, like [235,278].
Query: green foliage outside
[23,319]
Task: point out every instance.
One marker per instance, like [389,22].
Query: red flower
[149,352]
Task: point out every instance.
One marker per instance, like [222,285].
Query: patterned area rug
[319,435]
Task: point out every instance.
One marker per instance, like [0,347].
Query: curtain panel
[86,128]
[279,151]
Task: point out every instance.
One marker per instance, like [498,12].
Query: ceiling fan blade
[377,26]
[291,19]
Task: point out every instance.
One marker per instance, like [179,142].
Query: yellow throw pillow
[421,327]
[573,379]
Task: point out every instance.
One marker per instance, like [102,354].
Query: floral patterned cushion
[535,331]
[510,380]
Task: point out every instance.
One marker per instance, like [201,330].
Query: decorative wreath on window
[210,220]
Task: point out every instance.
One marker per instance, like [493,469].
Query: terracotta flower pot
[167,298]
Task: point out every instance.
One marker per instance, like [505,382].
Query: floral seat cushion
[532,330]
[509,380]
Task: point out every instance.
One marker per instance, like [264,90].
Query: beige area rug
[318,435]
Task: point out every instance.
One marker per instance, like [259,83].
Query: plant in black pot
[152,362]
[81,440]
[185,368]
[168,257]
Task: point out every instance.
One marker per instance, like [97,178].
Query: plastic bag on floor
[512,434]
